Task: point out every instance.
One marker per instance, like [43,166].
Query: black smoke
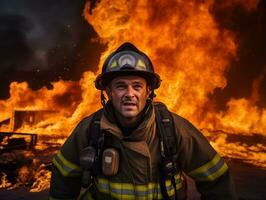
[249,27]
[43,41]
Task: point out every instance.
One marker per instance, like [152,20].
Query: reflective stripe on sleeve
[210,171]
[130,191]
[178,181]
[66,167]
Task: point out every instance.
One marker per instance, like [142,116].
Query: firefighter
[134,148]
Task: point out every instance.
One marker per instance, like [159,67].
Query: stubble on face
[128,95]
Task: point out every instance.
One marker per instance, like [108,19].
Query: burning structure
[10,139]
[22,118]
[190,50]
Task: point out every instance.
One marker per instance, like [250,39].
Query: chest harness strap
[168,148]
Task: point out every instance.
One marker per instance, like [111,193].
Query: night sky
[48,40]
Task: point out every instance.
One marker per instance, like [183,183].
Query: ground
[250,184]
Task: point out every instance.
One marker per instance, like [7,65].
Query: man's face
[128,95]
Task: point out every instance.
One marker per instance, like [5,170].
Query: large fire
[190,52]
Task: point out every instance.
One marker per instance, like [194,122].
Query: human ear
[148,91]
[108,91]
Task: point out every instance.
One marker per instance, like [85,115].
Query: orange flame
[190,52]
[184,42]
[4,182]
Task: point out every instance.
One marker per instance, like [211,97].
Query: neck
[128,122]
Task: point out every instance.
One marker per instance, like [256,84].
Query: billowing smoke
[247,20]
[44,41]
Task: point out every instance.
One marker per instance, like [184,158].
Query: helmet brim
[103,80]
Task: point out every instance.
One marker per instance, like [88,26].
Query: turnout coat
[140,157]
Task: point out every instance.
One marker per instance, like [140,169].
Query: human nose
[129,92]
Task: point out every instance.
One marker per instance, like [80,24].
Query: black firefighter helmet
[127,60]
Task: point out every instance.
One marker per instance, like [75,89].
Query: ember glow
[190,52]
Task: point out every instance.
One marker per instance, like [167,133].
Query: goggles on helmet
[127,60]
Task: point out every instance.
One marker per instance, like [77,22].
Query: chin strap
[103,98]
[152,95]
[149,103]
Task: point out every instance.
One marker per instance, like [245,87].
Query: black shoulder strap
[96,140]
[94,128]
[167,133]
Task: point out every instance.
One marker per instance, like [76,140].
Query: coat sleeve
[66,170]
[202,163]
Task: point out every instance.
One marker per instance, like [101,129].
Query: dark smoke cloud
[250,64]
[14,45]
[43,41]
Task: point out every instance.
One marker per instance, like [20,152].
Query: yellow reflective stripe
[210,171]
[114,64]
[178,181]
[125,190]
[141,64]
[60,168]
[215,175]
[130,191]
[68,163]
[66,167]
[205,167]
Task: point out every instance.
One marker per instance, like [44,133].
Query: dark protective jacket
[138,174]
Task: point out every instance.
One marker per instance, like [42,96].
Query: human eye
[137,86]
[120,86]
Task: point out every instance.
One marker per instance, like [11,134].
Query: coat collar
[141,133]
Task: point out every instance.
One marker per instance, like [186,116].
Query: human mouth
[129,104]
